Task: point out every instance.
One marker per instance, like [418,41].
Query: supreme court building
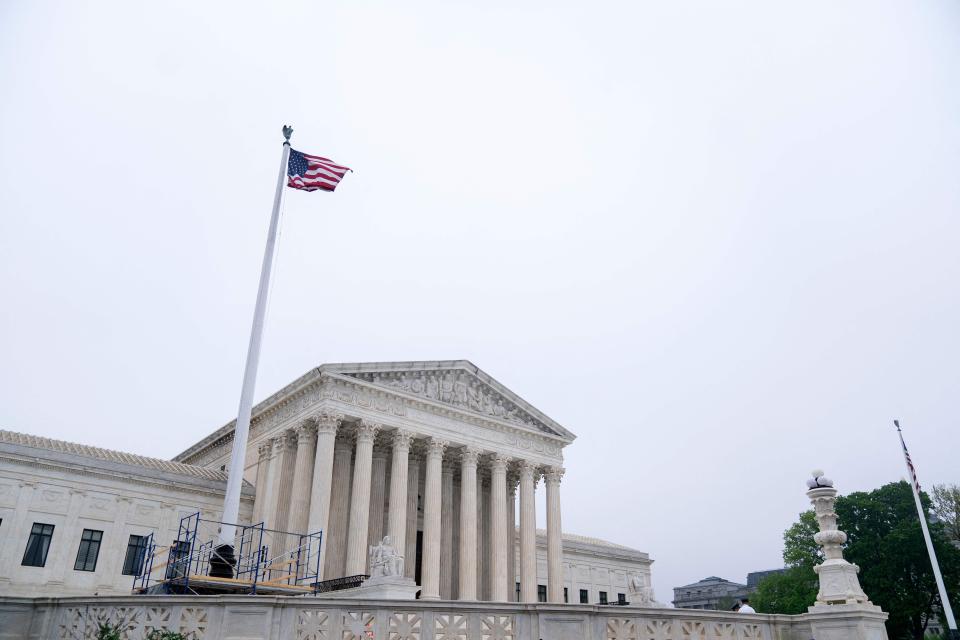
[437,455]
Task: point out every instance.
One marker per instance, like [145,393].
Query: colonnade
[357,480]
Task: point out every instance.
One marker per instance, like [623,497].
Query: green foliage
[163,634]
[799,549]
[946,504]
[107,631]
[789,592]
[885,540]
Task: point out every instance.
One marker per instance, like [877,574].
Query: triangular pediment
[457,383]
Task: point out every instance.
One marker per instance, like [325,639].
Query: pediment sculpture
[456,388]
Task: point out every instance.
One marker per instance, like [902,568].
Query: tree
[789,592]
[946,506]
[885,540]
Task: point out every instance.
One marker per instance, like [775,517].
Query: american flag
[313,172]
[906,455]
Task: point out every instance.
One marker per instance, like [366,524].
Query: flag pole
[231,500]
[915,485]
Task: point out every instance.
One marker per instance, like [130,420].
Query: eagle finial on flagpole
[287,132]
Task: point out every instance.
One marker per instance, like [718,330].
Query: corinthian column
[336,542]
[498,527]
[397,518]
[430,573]
[468,524]
[413,494]
[263,468]
[378,482]
[302,476]
[320,493]
[360,500]
[528,532]
[554,536]
[446,532]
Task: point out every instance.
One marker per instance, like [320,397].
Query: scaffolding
[190,567]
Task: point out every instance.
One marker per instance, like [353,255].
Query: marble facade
[437,455]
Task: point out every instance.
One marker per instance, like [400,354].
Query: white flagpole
[944,600]
[231,501]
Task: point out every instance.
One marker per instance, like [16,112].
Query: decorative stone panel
[749,632]
[496,628]
[450,626]
[404,626]
[193,621]
[621,629]
[313,624]
[357,625]
[657,630]
[156,618]
[692,630]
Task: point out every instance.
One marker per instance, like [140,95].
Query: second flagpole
[231,500]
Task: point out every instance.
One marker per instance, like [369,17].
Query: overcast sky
[717,241]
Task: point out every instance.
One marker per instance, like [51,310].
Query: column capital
[499,462]
[327,421]
[530,470]
[469,456]
[402,439]
[436,447]
[367,431]
[281,442]
[553,475]
[265,449]
[305,432]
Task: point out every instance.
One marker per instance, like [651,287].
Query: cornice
[97,472]
[383,399]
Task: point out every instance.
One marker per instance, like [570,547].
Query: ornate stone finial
[287,132]
[819,480]
[838,578]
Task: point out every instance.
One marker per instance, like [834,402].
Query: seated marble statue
[385,561]
[641,594]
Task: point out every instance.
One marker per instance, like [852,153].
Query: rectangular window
[38,545]
[566,597]
[541,593]
[88,551]
[179,561]
[136,550]
[518,592]
[621,598]
[584,596]
[603,597]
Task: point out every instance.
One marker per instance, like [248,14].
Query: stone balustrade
[315,618]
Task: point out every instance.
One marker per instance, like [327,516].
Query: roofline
[315,374]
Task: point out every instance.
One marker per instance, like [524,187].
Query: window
[136,550]
[584,596]
[38,545]
[566,597]
[518,592]
[621,598]
[88,551]
[179,561]
[603,597]
[541,593]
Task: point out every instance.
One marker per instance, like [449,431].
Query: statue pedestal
[380,588]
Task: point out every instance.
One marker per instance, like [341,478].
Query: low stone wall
[310,618]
